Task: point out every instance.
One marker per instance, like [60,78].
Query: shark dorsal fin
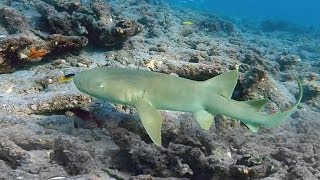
[223,84]
[257,104]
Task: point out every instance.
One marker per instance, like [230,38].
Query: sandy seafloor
[49,130]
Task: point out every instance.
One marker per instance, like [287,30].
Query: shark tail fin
[277,118]
[274,120]
[223,84]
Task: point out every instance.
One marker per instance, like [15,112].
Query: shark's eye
[101,86]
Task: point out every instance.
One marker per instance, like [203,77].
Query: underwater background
[50,130]
[295,11]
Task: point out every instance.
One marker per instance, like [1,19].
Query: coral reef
[12,153]
[74,156]
[13,21]
[188,155]
[89,23]
[288,61]
[93,20]
[49,130]
[312,91]
[20,50]
[257,84]
[274,25]
[21,46]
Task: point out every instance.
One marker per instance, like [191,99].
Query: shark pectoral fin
[252,127]
[257,104]
[223,84]
[204,118]
[151,120]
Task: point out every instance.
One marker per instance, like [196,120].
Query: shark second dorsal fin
[223,84]
[257,104]
[151,120]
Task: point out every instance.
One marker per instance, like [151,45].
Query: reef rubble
[49,130]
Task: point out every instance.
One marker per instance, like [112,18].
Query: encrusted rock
[193,155]
[256,84]
[13,21]
[67,5]
[93,20]
[60,103]
[22,49]
[9,51]
[216,25]
[59,44]
[288,61]
[301,173]
[75,156]
[311,90]
[253,59]
[12,153]
[198,57]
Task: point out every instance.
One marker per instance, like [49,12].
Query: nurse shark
[150,91]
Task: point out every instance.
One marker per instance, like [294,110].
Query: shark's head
[91,82]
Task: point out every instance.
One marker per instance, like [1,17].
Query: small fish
[66,78]
[187,23]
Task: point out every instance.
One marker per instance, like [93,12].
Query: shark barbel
[149,92]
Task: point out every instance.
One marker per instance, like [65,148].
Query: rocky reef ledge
[49,130]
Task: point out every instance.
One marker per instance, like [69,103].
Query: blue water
[304,12]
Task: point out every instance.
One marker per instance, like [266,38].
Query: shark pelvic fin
[252,127]
[257,104]
[204,118]
[151,120]
[223,84]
